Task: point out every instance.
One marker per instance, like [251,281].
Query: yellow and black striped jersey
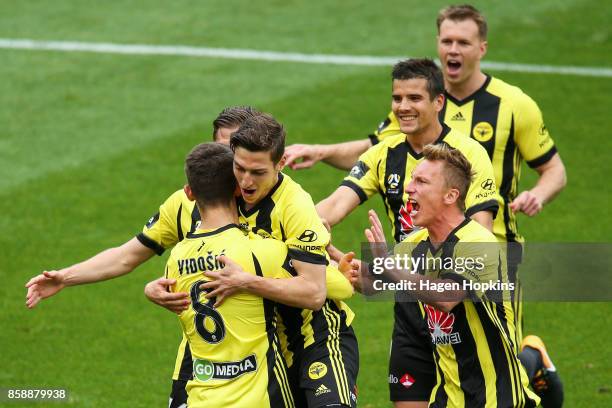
[234,347]
[288,213]
[509,125]
[474,344]
[386,169]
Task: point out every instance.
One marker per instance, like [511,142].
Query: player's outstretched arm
[107,264]
[338,205]
[551,181]
[341,155]
[307,290]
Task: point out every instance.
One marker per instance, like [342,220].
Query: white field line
[245,54]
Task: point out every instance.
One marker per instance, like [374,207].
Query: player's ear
[439,102]
[188,192]
[483,48]
[451,196]
[281,163]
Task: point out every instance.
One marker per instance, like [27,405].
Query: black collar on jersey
[440,139]
[473,96]
[242,205]
[214,232]
[451,238]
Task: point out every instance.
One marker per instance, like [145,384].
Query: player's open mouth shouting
[413,207]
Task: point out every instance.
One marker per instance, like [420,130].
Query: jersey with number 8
[234,347]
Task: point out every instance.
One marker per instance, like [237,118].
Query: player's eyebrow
[252,169]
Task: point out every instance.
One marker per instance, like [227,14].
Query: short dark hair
[423,68]
[261,133]
[463,12]
[457,169]
[233,116]
[210,174]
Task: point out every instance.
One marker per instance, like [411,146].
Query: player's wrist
[321,152]
[251,282]
[63,278]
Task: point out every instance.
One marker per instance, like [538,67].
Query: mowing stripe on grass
[245,54]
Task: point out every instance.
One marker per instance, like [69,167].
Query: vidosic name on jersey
[200,263]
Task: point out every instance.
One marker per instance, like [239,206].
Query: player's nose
[409,187]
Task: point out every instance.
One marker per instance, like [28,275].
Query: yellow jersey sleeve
[482,193]
[338,287]
[363,177]
[387,127]
[306,235]
[531,135]
[161,230]
[270,251]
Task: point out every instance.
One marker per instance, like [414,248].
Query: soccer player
[319,345]
[417,98]
[471,329]
[234,347]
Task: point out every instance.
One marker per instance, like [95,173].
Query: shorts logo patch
[354,394]
[205,370]
[317,370]
[322,390]
[407,380]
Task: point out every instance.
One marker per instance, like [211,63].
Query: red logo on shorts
[404,218]
[407,380]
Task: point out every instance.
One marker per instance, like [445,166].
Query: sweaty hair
[420,68]
[457,169]
[210,174]
[234,116]
[464,12]
[261,133]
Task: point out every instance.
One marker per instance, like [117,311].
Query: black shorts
[325,373]
[178,397]
[412,371]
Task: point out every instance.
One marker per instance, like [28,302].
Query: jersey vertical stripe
[278,384]
[396,165]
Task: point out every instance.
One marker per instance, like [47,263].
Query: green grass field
[91,144]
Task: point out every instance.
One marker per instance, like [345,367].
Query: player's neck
[446,222]
[466,88]
[218,216]
[418,141]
